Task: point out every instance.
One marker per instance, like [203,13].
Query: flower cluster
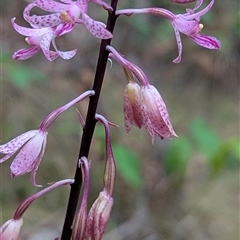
[45,29]
[143,105]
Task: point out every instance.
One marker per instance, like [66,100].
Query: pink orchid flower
[41,38]
[143,106]
[70,12]
[188,24]
[32,144]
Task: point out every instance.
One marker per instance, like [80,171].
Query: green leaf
[128,165]
[206,139]
[21,76]
[177,157]
[228,154]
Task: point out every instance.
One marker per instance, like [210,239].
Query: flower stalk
[90,124]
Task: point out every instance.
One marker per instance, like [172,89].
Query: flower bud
[98,216]
[10,230]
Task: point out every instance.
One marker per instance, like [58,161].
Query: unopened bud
[10,230]
[79,224]
[98,216]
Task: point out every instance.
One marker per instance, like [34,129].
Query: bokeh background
[182,189]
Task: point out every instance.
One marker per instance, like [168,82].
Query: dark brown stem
[89,126]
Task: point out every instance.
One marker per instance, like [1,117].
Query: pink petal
[68,54]
[83,5]
[158,122]
[132,107]
[51,6]
[206,41]
[64,55]
[198,4]
[13,145]
[67,1]
[40,21]
[97,29]
[50,20]
[179,44]
[182,1]
[200,13]
[45,46]
[103,4]
[10,230]
[63,28]
[25,53]
[25,160]
[37,163]
[28,31]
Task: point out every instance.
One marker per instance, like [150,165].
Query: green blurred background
[184,189]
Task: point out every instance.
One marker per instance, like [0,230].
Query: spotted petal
[41,21]
[28,31]
[132,107]
[37,163]
[97,29]
[179,44]
[25,160]
[51,6]
[158,121]
[49,20]
[45,46]
[13,145]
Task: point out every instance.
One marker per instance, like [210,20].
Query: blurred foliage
[218,153]
[202,95]
[129,165]
[19,74]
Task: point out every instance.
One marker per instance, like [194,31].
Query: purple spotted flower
[143,106]
[41,38]
[187,23]
[32,144]
[70,12]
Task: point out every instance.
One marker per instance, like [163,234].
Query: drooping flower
[32,144]
[187,23]
[10,230]
[70,12]
[143,106]
[98,216]
[156,117]
[132,106]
